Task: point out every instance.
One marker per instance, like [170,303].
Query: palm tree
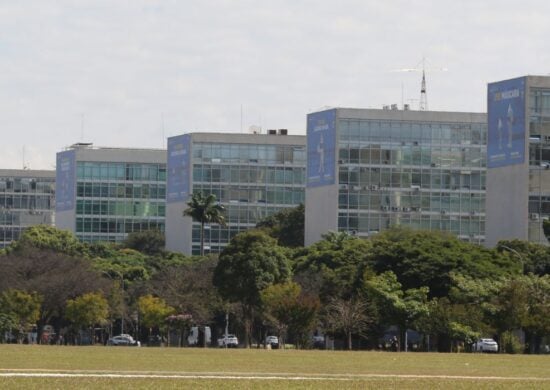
[204,209]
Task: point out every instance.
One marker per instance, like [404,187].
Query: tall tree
[347,316]
[22,307]
[150,242]
[427,258]
[250,263]
[204,209]
[532,257]
[338,260]
[87,310]
[153,311]
[290,311]
[287,226]
[49,238]
[189,289]
[406,309]
[55,276]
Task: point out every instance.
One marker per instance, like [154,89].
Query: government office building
[518,159]
[369,170]
[252,176]
[103,194]
[27,198]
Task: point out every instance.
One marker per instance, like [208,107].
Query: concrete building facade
[27,198]
[103,194]
[252,175]
[518,159]
[368,170]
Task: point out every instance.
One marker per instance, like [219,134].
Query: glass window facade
[539,162]
[426,175]
[25,200]
[251,181]
[114,199]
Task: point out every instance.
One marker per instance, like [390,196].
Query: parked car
[485,345]
[229,341]
[123,339]
[273,341]
[318,342]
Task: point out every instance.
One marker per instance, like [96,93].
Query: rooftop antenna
[24,163]
[423,96]
[241,118]
[423,102]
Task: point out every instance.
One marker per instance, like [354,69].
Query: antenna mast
[423,94]
[423,103]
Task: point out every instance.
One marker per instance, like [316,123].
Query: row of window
[89,238]
[539,205]
[29,202]
[9,234]
[398,201]
[116,225]
[263,154]
[229,195]
[244,174]
[239,219]
[39,186]
[372,223]
[120,171]
[413,155]
[372,130]
[120,208]
[216,233]
[25,217]
[121,190]
[375,178]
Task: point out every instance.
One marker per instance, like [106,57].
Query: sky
[131,73]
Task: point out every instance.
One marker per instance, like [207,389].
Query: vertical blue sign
[506,123]
[321,148]
[65,180]
[179,168]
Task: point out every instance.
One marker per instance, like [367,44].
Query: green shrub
[509,343]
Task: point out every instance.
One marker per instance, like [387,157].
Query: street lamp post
[122,290]
[519,255]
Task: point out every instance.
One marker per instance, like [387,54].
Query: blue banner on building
[321,148]
[65,180]
[506,123]
[179,168]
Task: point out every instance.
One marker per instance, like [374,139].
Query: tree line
[352,290]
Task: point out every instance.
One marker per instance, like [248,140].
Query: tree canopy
[422,258]
[287,226]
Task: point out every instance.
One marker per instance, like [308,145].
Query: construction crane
[423,105]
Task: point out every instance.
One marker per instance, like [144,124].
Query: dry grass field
[48,367]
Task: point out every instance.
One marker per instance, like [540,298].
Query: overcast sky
[123,73]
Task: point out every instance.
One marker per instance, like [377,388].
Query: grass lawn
[290,368]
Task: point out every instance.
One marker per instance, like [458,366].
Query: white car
[486,345]
[123,339]
[229,341]
[273,341]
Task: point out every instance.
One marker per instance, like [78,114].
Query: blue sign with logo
[321,148]
[506,123]
[179,168]
[65,179]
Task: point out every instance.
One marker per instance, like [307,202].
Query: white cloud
[127,64]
